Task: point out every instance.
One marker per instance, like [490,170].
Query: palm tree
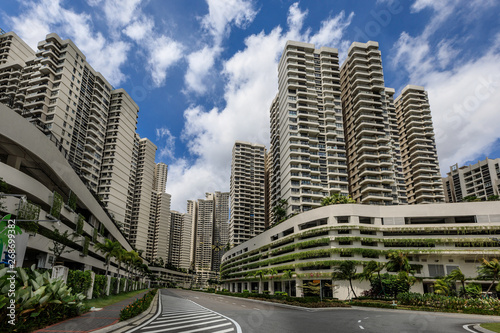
[346,270]
[371,268]
[120,256]
[398,262]
[457,275]
[442,287]
[490,270]
[260,274]
[109,249]
[273,272]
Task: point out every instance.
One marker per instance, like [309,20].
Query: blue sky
[204,72]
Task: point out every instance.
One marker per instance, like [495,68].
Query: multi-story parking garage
[437,238]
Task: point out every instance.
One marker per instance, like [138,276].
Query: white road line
[180,312]
[256,308]
[225,331]
[361,327]
[243,305]
[185,316]
[359,321]
[238,327]
[183,319]
[197,324]
[153,318]
[468,329]
[182,322]
[207,328]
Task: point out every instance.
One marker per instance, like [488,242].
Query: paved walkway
[91,321]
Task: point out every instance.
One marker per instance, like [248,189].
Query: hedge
[79,281]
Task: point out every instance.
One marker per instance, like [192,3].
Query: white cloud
[38,19]
[221,13]
[139,29]
[168,149]
[464,93]
[118,12]
[200,64]
[251,84]
[164,53]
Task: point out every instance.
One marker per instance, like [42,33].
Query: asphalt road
[252,316]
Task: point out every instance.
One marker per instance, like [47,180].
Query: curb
[481,329]
[128,324]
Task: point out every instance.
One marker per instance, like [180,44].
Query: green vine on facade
[57,203]
[86,244]
[72,199]
[79,224]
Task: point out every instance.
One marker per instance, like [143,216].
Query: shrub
[100,285]
[79,281]
[281,293]
[137,306]
[391,285]
[490,306]
[39,301]
[245,291]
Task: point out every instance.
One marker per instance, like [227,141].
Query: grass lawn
[111,299]
[495,327]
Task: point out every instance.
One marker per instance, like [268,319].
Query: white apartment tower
[247,189]
[141,220]
[481,180]
[369,124]
[307,138]
[180,239]
[418,147]
[159,238]
[161,171]
[13,55]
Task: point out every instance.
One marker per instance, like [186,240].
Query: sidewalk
[91,321]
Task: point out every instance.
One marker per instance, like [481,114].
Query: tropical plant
[287,275]
[390,284]
[489,270]
[398,262]
[72,199]
[442,287]
[60,242]
[346,270]
[120,257]
[369,269]
[493,198]
[109,249]
[457,275]
[39,301]
[57,203]
[279,210]
[471,198]
[336,198]
[79,281]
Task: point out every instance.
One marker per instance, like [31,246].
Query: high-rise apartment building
[307,137]
[221,226]
[480,180]
[161,171]
[119,158]
[418,147]
[192,210]
[14,53]
[142,223]
[247,189]
[180,240]
[373,151]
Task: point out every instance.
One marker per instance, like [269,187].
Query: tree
[336,198]
[398,262]
[279,210]
[109,249]
[490,270]
[260,274]
[457,275]
[442,287]
[346,270]
[371,268]
[60,242]
[120,256]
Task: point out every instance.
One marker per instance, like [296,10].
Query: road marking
[366,318]
[256,308]
[361,327]
[468,329]
[243,305]
[182,322]
[238,327]
[359,321]
[207,328]
[153,318]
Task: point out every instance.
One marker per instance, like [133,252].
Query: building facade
[373,152]
[247,192]
[307,134]
[418,147]
[437,238]
[480,180]
[180,240]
